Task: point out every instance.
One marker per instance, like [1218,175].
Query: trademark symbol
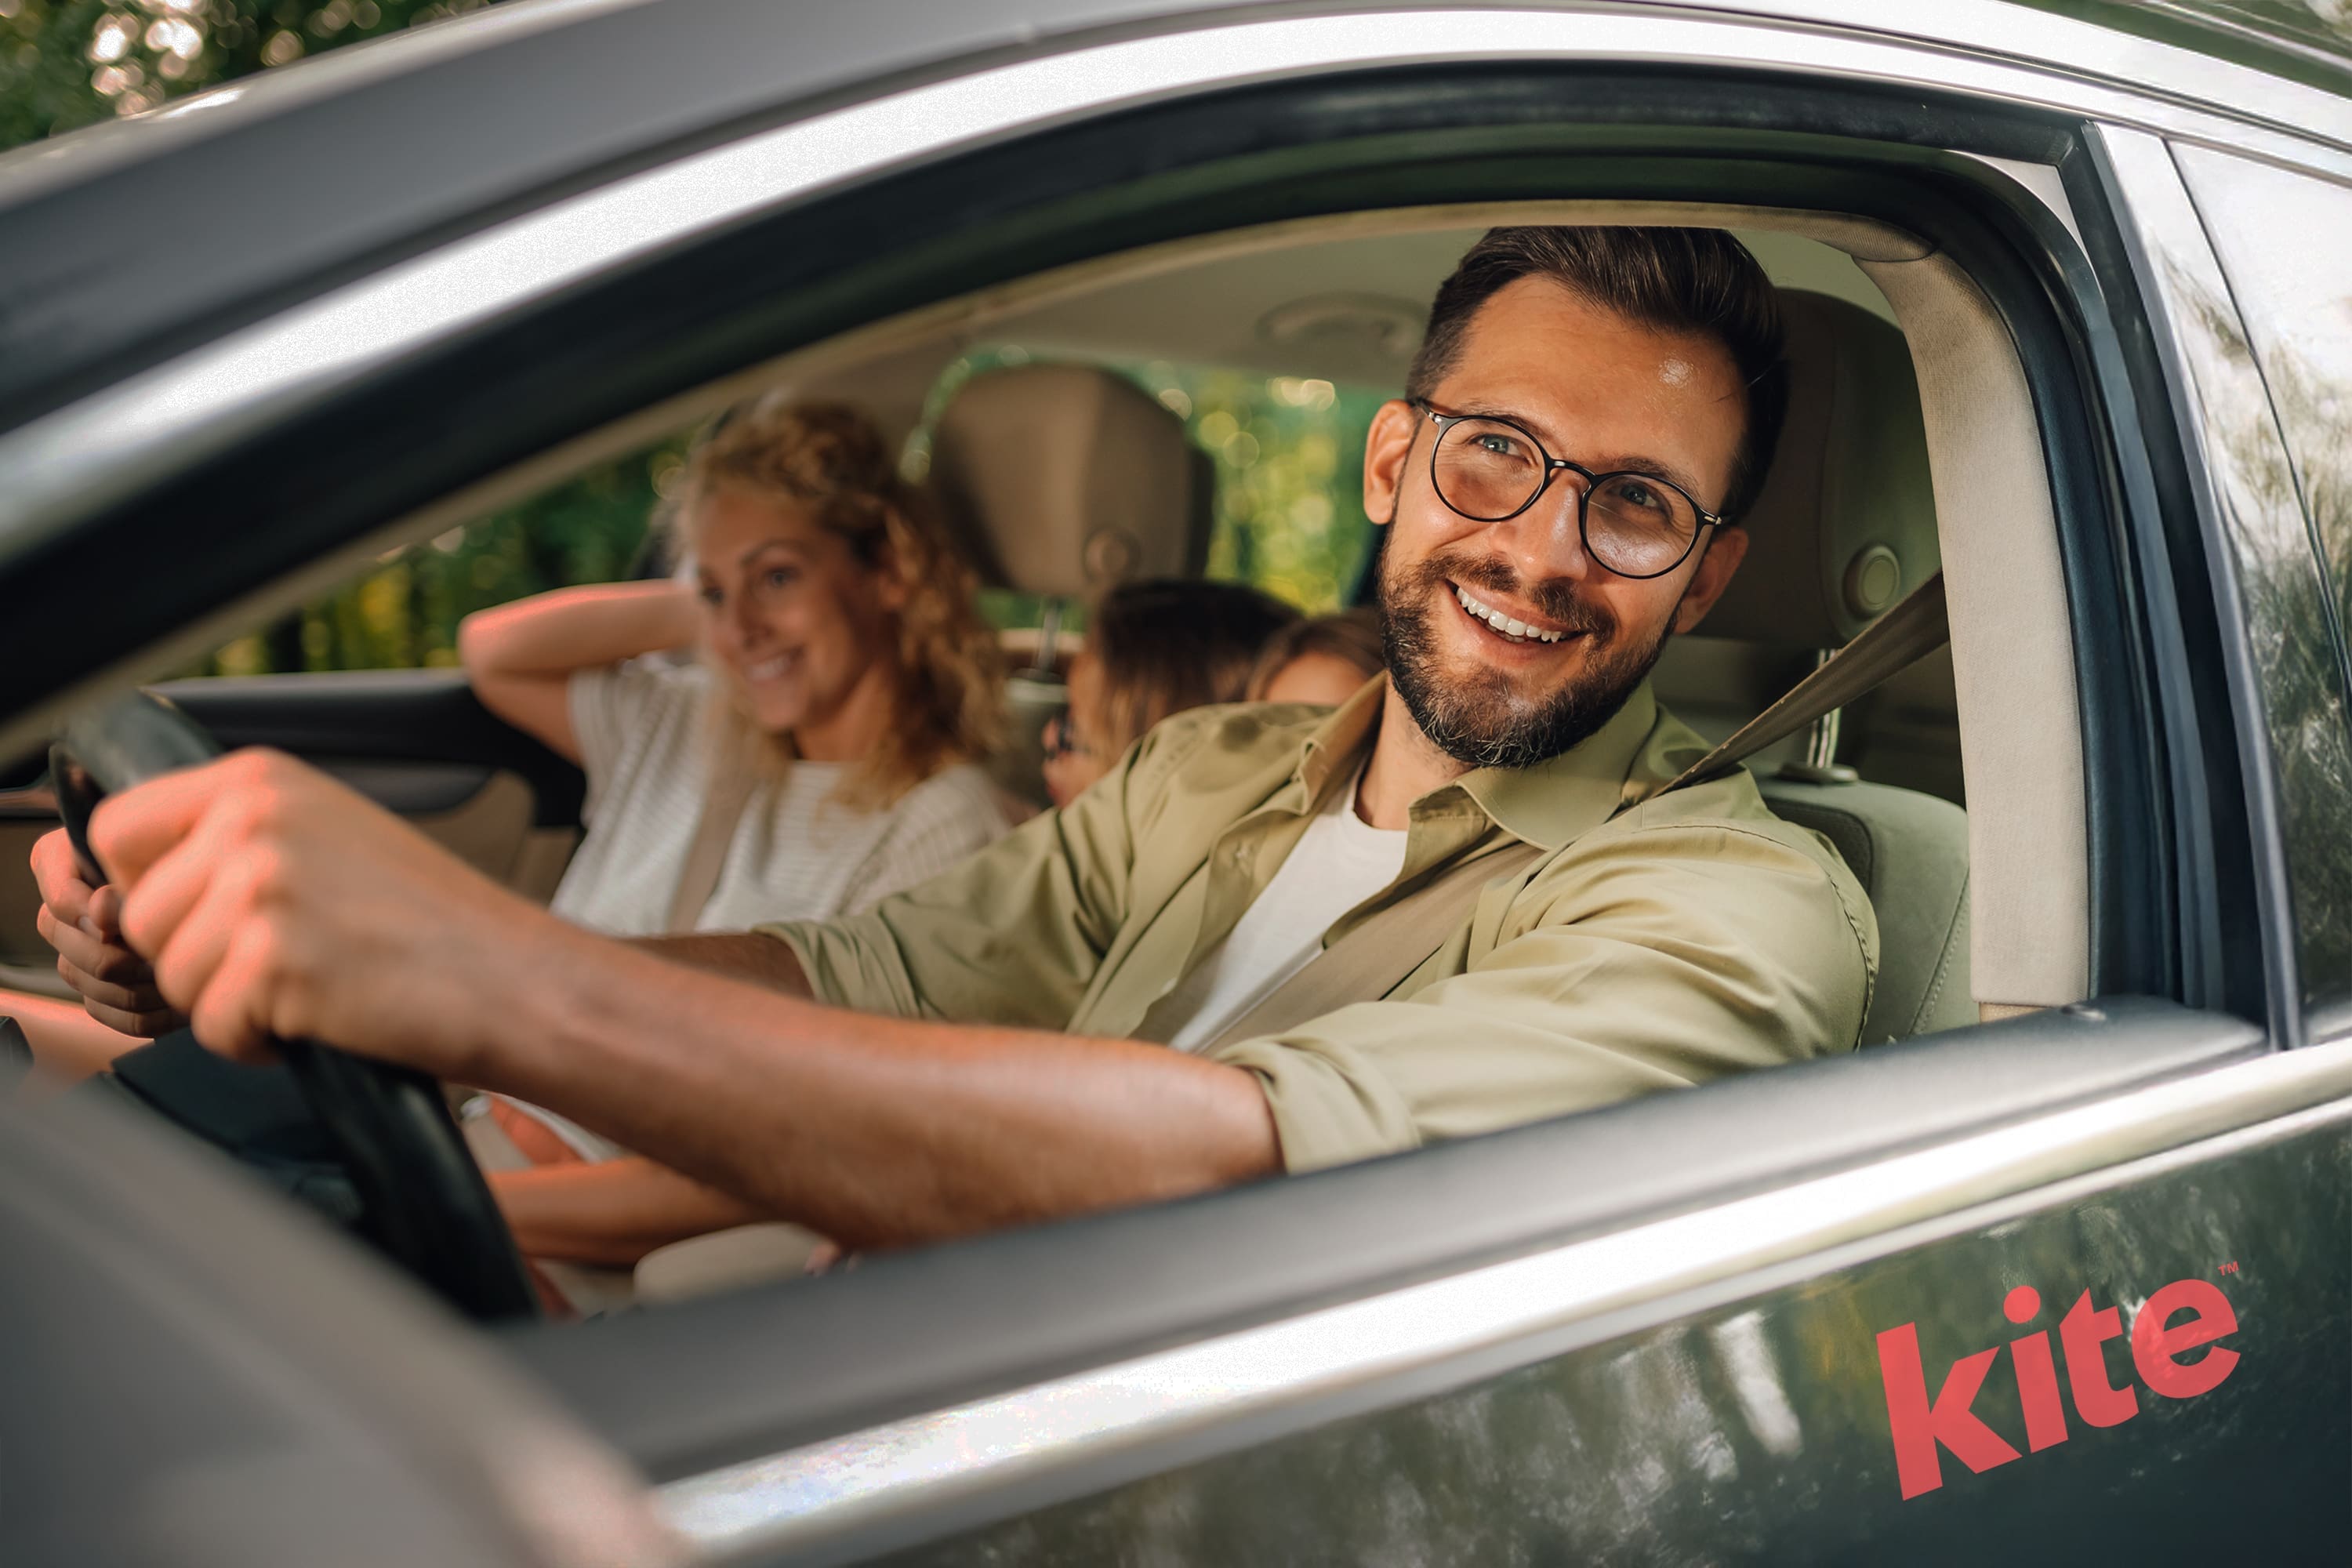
[2228,1268]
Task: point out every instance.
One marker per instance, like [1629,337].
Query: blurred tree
[68,63]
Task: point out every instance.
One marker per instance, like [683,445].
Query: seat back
[1062,480]
[1844,527]
[1910,852]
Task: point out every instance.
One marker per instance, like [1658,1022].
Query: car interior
[1956,783]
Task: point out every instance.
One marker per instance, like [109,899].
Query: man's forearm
[875,1131]
[742,955]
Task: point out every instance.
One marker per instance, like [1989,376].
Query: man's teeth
[1508,625]
[768,669]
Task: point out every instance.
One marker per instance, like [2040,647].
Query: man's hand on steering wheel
[85,925]
[273,904]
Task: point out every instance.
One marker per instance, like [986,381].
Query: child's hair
[1168,644]
[1353,636]
[829,457]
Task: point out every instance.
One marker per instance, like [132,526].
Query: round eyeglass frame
[1552,465]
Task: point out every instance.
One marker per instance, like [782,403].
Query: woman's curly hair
[832,458]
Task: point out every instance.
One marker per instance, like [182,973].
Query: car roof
[333,168]
[275,188]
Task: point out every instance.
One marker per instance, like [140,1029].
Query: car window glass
[2285,241]
[1287,451]
[402,611]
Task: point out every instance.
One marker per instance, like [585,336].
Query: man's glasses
[1490,471]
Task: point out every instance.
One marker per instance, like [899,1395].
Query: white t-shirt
[1340,861]
[798,852]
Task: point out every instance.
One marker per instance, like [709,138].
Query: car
[2054,1266]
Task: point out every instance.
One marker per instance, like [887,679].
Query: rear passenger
[1154,650]
[819,750]
[823,750]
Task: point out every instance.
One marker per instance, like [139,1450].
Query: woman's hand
[84,925]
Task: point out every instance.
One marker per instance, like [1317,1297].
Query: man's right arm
[1013,936]
[739,954]
[118,988]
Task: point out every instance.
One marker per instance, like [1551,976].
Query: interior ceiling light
[1388,327]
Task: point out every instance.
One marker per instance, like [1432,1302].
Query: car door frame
[2087,1089]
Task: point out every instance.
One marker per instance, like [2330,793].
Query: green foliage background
[1287,451]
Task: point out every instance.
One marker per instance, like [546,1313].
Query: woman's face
[806,633]
[1071,761]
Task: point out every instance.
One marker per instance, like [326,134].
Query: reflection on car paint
[1738,1435]
[2282,588]
[2295,301]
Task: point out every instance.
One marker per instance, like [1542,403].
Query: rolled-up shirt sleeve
[1643,957]
[1011,936]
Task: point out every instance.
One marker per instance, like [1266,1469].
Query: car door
[2019,1309]
[1776,1316]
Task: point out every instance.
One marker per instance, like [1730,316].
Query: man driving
[1269,939]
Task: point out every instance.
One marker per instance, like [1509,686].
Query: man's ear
[1725,549]
[1385,451]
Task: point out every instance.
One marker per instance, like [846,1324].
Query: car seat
[1845,526]
[1061,480]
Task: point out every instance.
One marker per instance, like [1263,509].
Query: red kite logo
[1924,1427]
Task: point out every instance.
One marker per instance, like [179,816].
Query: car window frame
[2024,262]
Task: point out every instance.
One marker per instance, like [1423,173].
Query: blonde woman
[819,750]
[843,681]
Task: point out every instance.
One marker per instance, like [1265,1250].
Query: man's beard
[1479,720]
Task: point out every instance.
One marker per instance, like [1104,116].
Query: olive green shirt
[1651,945]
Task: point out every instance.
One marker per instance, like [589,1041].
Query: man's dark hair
[1698,280]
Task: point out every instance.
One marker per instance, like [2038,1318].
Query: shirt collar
[1554,801]
[1547,805]
[1340,741]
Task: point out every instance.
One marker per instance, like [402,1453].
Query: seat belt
[1374,960]
[1915,628]
[732,778]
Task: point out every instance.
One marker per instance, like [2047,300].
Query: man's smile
[1502,624]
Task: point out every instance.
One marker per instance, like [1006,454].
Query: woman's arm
[67,1043]
[521,657]
[612,1212]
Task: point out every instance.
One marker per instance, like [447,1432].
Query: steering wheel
[425,1202]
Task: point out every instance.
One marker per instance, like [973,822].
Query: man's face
[1595,389]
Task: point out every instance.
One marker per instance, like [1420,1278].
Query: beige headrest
[1846,522]
[1063,479]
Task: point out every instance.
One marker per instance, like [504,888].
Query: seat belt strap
[732,777]
[1374,960]
[1890,645]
